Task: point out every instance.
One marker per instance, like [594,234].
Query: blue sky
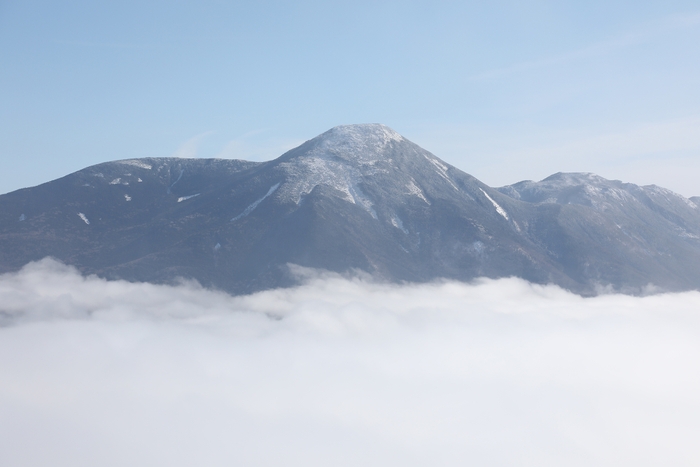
[503,90]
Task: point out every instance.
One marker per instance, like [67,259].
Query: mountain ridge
[357,197]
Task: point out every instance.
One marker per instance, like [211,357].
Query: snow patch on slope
[84,218]
[250,208]
[414,190]
[498,207]
[185,198]
[137,163]
[178,179]
[306,174]
[398,223]
[655,191]
[685,234]
[441,170]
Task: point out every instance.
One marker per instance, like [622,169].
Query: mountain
[616,233]
[358,197]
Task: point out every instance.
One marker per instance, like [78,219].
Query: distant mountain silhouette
[358,197]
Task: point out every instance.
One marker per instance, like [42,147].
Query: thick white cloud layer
[343,372]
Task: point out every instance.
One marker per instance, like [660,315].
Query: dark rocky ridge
[356,197]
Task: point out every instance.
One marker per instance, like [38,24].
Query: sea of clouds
[343,372]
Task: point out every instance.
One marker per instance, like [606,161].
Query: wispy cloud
[249,147]
[622,41]
[343,371]
[188,149]
[107,45]
[632,142]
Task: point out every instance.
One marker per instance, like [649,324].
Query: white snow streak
[116,181]
[127,197]
[413,189]
[685,234]
[178,179]
[441,171]
[250,208]
[499,209]
[85,219]
[137,163]
[185,198]
[398,223]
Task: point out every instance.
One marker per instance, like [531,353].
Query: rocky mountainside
[358,197]
[616,233]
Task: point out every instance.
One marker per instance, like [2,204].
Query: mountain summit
[357,197]
[362,143]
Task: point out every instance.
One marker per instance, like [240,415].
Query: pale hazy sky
[503,90]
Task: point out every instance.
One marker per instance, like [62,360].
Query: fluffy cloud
[343,371]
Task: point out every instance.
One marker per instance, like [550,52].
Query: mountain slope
[620,234]
[356,197]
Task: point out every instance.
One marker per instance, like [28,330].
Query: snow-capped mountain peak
[356,197]
[362,143]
